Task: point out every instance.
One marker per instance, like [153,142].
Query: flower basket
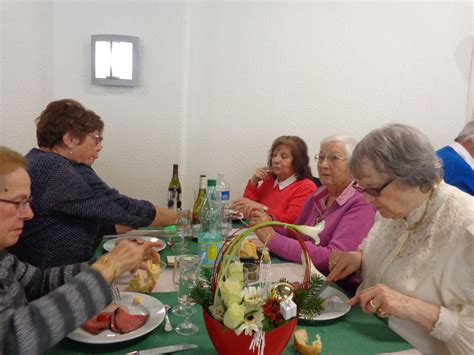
[244,321]
[227,342]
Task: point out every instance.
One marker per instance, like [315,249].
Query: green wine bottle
[200,198]
[174,190]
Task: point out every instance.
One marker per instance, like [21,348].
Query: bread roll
[302,346]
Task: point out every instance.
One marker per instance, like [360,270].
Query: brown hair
[65,116]
[10,161]
[299,150]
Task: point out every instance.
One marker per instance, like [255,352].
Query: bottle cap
[170,228]
[211,182]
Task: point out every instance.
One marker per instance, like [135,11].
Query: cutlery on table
[168,327]
[164,349]
[116,297]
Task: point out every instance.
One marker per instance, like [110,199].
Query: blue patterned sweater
[71,205]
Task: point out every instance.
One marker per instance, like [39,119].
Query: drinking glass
[187,280]
[181,262]
[183,230]
[226,221]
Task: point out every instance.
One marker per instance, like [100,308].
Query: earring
[70,150]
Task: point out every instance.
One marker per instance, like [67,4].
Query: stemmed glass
[187,280]
[182,262]
[183,230]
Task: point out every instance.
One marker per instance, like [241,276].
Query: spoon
[168,327]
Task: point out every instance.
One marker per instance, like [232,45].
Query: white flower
[234,316]
[231,291]
[254,297]
[311,231]
[235,271]
[217,311]
[252,322]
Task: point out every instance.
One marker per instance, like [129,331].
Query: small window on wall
[114,60]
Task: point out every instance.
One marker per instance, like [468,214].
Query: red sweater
[283,205]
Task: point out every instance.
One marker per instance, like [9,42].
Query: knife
[164,349]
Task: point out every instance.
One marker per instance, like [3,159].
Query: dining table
[355,332]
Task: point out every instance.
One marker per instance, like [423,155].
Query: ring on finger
[381,313]
[371,302]
[333,262]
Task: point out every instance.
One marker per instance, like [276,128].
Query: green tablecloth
[355,333]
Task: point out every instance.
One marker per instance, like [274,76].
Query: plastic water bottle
[210,237]
[222,189]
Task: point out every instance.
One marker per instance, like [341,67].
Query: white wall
[221,79]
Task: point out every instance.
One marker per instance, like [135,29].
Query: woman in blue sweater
[71,203]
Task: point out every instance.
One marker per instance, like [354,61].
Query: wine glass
[183,230]
[187,280]
[181,262]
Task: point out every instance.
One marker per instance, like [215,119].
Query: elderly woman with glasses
[342,211]
[72,204]
[281,188]
[417,261]
[40,307]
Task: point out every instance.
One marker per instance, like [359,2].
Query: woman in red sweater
[281,188]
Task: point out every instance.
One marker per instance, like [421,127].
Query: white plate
[335,306]
[149,305]
[135,232]
[110,244]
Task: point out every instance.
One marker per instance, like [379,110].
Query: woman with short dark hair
[71,203]
[281,188]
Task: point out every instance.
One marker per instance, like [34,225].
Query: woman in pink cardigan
[281,188]
[347,217]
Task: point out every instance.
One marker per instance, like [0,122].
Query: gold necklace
[427,207]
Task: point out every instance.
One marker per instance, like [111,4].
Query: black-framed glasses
[20,205]
[332,158]
[372,192]
[97,136]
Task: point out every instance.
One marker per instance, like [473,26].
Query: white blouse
[434,263]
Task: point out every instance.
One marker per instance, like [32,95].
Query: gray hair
[348,142]
[402,152]
[467,133]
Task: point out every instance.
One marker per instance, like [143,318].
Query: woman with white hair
[347,217]
[417,261]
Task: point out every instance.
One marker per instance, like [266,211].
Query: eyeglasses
[20,205]
[333,159]
[98,137]
[372,192]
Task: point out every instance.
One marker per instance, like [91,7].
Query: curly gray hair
[402,152]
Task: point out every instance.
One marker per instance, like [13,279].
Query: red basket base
[227,342]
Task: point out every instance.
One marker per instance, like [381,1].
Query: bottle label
[174,199]
[224,195]
[208,252]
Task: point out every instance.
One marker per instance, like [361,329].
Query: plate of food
[136,315]
[110,244]
[334,304]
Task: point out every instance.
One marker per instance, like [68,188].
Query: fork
[116,297]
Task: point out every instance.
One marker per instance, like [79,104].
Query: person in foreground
[281,188]
[347,217]
[458,160]
[417,261]
[71,203]
[38,308]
